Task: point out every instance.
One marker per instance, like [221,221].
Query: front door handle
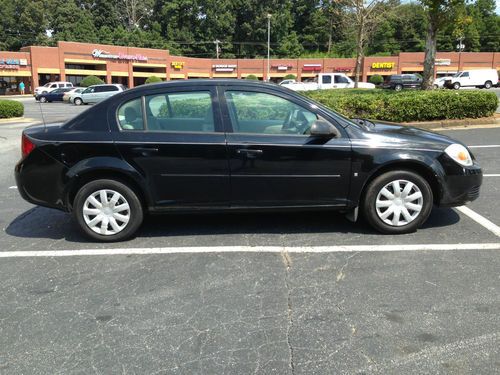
[249,153]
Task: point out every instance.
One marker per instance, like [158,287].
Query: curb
[17,120]
[494,120]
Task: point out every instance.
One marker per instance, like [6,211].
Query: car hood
[402,136]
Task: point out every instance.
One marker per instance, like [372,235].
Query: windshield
[46,85]
[457,74]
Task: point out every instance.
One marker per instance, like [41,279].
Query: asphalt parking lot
[303,293]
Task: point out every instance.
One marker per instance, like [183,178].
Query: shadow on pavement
[46,223]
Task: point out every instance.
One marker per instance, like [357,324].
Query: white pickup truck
[324,81]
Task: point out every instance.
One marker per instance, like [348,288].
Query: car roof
[204,82]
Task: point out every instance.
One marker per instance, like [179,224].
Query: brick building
[71,61]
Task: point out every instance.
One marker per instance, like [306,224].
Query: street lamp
[217,48]
[268,42]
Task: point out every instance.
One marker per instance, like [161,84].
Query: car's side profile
[233,145]
[53,96]
[399,82]
[96,93]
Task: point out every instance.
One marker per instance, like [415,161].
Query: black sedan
[235,145]
[53,96]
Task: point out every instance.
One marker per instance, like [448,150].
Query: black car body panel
[406,81]
[223,169]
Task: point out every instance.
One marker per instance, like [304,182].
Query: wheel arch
[409,165]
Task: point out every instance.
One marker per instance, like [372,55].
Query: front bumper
[460,184]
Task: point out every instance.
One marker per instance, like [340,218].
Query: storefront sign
[9,67]
[282,67]
[342,69]
[12,64]
[100,54]
[177,64]
[311,67]
[443,62]
[383,65]
[224,67]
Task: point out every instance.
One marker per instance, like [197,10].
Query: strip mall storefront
[71,61]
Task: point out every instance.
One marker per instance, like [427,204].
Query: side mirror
[323,128]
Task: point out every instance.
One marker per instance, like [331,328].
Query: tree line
[299,28]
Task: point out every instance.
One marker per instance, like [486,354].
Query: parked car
[440,81]
[399,82]
[97,93]
[234,145]
[70,93]
[48,87]
[486,78]
[325,81]
[53,96]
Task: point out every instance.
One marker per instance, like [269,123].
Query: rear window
[130,115]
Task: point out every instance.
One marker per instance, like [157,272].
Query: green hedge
[11,108]
[408,106]
[90,81]
[153,79]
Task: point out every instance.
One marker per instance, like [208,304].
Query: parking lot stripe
[250,249]
[481,220]
[492,175]
[484,146]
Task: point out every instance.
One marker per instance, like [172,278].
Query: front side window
[180,112]
[130,115]
[340,79]
[465,74]
[260,113]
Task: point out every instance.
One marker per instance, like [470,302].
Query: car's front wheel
[398,87]
[456,85]
[107,210]
[488,85]
[43,99]
[398,202]
[78,101]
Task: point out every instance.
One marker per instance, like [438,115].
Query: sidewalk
[16,96]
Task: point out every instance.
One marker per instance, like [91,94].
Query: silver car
[97,93]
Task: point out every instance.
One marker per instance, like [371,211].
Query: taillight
[26,146]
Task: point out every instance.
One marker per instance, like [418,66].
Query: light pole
[268,43]
[217,47]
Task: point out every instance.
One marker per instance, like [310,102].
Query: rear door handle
[145,150]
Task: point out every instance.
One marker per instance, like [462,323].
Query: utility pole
[217,47]
[460,47]
[268,43]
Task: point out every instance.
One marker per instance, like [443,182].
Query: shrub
[90,81]
[11,108]
[407,106]
[376,79]
[153,79]
[252,77]
[290,76]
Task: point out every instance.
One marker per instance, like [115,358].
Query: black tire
[398,87]
[488,84]
[43,99]
[373,189]
[136,211]
[77,101]
[456,85]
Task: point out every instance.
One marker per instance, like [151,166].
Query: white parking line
[492,175]
[481,220]
[484,146]
[249,249]
[12,187]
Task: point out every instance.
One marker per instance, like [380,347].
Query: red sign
[9,67]
[342,69]
[311,67]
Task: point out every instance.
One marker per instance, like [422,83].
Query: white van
[51,86]
[473,78]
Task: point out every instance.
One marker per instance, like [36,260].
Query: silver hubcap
[399,203]
[106,212]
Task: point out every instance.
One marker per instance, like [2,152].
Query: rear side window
[109,88]
[327,79]
[180,112]
[130,115]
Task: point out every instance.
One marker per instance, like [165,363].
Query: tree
[136,11]
[365,16]
[438,13]
[251,77]
[290,76]
[90,81]
[290,46]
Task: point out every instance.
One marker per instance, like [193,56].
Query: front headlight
[460,154]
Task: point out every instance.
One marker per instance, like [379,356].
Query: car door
[341,82]
[273,160]
[175,138]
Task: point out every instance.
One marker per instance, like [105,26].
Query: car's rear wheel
[78,101]
[398,87]
[487,85]
[398,202]
[43,99]
[107,210]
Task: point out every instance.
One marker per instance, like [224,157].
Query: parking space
[293,294]
[49,112]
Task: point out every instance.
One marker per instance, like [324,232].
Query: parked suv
[51,86]
[399,82]
[97,93]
